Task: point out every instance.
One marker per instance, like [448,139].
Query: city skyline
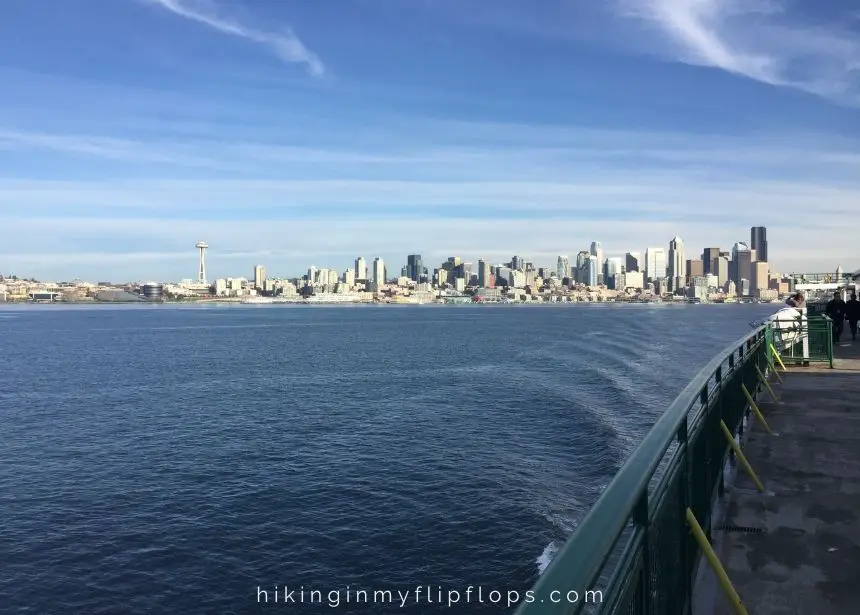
[283,132]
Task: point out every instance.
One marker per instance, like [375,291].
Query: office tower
[677,264]
[590,270]
[349,278]
[414,267]
[742,259]
[201,246]
[760,278]
[378,273]
[484,273]
[655,264]
[259,276]
[517,263]
[612,267]
[312,275]
[721,270]
[695,269]
[597,252]
[758,242]
[360,268]
[563,267]
[633,261]
[709,255]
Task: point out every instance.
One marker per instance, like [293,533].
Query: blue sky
[299,132]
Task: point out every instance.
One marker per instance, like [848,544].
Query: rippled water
[172,459]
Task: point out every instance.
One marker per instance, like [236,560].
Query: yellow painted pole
[778,358]
[766,384]
[773,369]
[755,409]
[740,455]
[716,565]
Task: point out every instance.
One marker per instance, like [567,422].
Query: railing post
[685,501]
[640,516]
[718,377]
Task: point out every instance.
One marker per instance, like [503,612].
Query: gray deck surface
[807,561]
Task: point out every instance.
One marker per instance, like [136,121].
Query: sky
[292,133]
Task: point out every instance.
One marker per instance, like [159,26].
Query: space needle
[201,273]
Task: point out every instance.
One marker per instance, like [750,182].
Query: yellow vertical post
[740,455]
[773,370]
[777,357]
[716,565]
[755,409]
[766,383]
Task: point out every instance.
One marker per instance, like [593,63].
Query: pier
[743,498]
[796,548]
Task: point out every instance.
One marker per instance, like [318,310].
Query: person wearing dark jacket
[852,313]
[836,311]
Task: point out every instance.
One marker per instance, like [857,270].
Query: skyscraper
[742,258]
[563,267]
[378,273]
[360,268]
[633,261]
[590,269]
[484,273]
[259,276]
[597,252]
[655,263]
[414,267]
[677,264]
[758,242]
[709,255]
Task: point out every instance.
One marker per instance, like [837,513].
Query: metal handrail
[622,523]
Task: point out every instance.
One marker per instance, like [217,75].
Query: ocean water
[167,459]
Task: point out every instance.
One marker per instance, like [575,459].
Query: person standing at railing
[852,313]
[836,311]
[797,300]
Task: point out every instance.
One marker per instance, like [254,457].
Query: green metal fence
[634,546]
[806,340]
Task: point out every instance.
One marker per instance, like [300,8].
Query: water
[175,459]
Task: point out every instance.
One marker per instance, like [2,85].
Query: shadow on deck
[795,549]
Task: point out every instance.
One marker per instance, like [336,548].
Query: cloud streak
[286,45]
[759,39]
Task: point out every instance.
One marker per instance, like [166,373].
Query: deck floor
[807,561]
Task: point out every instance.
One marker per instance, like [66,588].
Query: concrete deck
[807,561]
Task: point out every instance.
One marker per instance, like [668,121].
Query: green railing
[634,546]
[809,340]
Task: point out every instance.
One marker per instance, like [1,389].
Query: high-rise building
[758,242]
[611,268]
[349,278]
[709,255]
[563,267]
[655,264]
[742,259]
[312,275]
[581,258]
[259,277]
[378,273]
[720,268]
[414,267]
[695,269]
[597,252]
[760,278]
[360,269]
[517,263]
[633,261]
[590,269]
[677,264]
[484,274]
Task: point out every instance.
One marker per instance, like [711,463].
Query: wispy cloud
[285,44]
[759,39]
